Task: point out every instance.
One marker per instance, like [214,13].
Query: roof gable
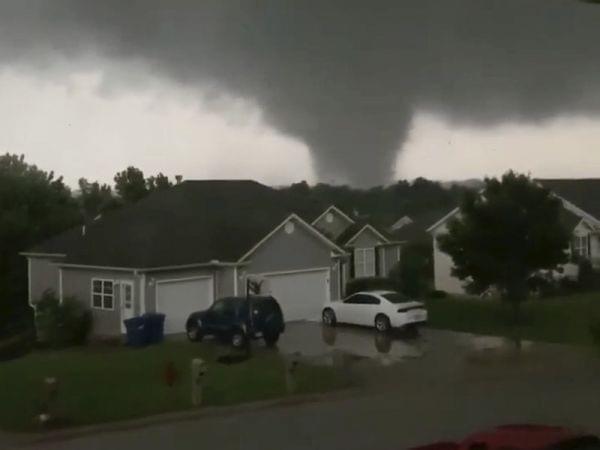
[307,227]
[583,194]
[333,210]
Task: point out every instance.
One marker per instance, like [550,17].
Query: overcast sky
[338,91]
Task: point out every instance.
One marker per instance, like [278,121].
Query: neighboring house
[412,228]
[581,215]
[178,250]
[372,251]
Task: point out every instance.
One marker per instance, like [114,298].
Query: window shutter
[589,245]
[377,268]
[352,263]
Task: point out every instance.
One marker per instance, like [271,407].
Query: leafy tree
[505,235]
[130,184]
[158,183]
[35,205]
[413,275]
[95,198]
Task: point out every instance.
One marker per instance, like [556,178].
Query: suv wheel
[329,317]
[382,323]
[194,334]
[271,339]
[238,339]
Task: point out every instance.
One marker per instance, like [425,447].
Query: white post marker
[291,364]
[199,370]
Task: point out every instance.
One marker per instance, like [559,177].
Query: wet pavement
[384,359]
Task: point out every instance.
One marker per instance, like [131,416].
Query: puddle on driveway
[433,351]
[330,345]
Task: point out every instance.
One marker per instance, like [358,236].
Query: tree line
[36,204]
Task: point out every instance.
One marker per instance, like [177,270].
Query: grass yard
[560,320]
[101,384]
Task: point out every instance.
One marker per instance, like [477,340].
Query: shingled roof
[194,222]
[357,226]
[416,231]
[583,193]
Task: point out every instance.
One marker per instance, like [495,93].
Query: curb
[181,416]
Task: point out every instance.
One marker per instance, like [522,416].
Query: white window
[103,296]
[364,262]
[581,246]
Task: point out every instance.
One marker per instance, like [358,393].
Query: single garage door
[300,294]
[177,299]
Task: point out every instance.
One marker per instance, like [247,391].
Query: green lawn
[561,319]
[99,384]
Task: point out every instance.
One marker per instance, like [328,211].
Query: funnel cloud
[344,77]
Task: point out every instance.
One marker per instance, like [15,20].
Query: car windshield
[396,297]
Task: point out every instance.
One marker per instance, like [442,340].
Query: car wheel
[329,317]
[382,323]
[383,342]
[271,339]
[238,339]
[194,334]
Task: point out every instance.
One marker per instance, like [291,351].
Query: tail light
[409,308]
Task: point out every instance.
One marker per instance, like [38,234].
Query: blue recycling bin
[136,331]
[155,325]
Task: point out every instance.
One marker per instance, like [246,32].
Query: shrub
[595,330]
[436,293]
[17,345]
[368,284]
[413,275]
[60,325]
[587,278]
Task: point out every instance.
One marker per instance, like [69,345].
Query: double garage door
[177,299]
[300,294]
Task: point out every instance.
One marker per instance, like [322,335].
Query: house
[372,252]
[178,250]
[581,215]
[412,228]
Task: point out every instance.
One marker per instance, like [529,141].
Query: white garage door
[300,294]
[177,299]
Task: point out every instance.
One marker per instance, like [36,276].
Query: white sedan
[382,309]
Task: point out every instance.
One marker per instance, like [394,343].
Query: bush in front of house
[17,334]
[369,284]
[437,293]
[588,278]
[62,324]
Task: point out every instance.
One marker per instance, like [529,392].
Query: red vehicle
[522,437]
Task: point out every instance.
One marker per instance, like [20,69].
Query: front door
[126,296]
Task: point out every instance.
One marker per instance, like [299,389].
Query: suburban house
[372,252]
[178,250]
[581,214]
[412,228]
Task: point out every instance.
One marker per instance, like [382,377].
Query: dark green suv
[238,319]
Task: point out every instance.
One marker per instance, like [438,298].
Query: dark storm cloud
[346,77]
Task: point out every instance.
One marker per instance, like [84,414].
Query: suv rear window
[396,297]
